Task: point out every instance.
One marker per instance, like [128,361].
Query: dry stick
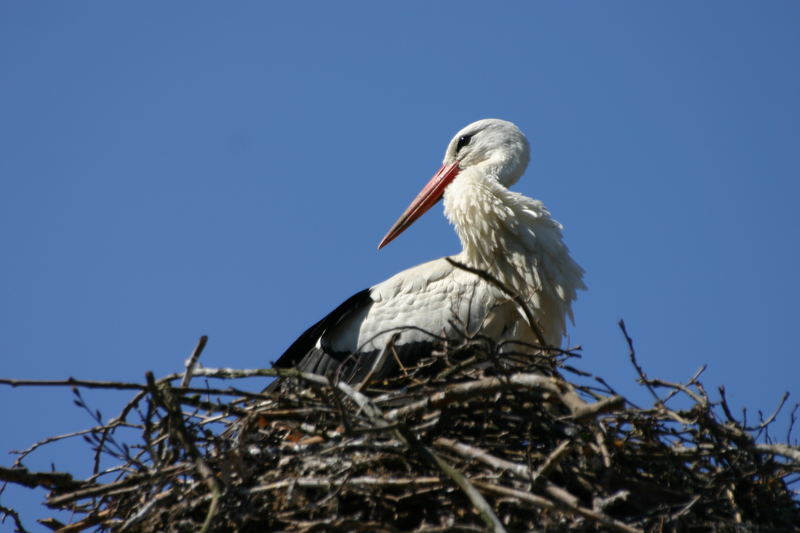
[724,404]
[518,470]
[461,391]
[50,480]
[130,406]
[600,442]
[225,410]
[456,368]
[230,373]
[535,499]
[772,417]
[163,396]
[742,437]
[784,450]
[632,355]
[686,508]
[476,498]
[389,346]
[33,447]
[471,452]
[600,518]
[142,512]
[598,504]
[511,294]
[131,482]
[367,482]
[737,513]
[792,420]
[692,381]
[86,522]
[551,460]
[224,373]
[71,382]
[605,405]
[15,517]
[681,387]
[192,361]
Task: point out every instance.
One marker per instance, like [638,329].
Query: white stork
[503,233]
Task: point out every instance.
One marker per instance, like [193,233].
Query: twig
[461,391]
[192,361]
[692,381]
[516,298]
[771,417]
[595,516]
[477,500]
[471,452]
[632,355]
[684,510]
[86,522]
[367,482]
[33,447]
[519,470]
[71,382]
[551,461]
[590,410]
[602,503]
[15,517]
[701,400]
[131,482]
[164,396]
[791,452]
[378,363]
[724,403]
[50,480]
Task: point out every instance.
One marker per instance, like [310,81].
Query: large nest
[465,441]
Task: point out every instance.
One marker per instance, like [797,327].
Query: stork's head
[495,148]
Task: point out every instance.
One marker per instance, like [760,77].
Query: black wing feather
[306,342]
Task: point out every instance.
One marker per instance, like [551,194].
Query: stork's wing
[412,312]
[345,343]
[302,351]
[305,353]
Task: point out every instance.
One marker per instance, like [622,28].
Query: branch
[49,480]
[164,397]
[595,516]
[790,452]
[516,298]
[71,382]
[632,354]
[191,363]
[475,497]
[15,517]
[132,482]
[471,389]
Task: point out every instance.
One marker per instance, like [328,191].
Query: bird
[514,268]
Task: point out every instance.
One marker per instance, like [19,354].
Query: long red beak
[428,196]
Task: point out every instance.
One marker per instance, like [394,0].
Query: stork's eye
[462,142]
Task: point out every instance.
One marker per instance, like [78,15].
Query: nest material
[468,440]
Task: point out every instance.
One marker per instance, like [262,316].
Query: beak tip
[430,194]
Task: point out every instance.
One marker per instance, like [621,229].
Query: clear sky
[176,169]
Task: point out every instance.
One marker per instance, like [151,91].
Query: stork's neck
[514,238]
[488,220]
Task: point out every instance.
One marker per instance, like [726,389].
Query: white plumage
[504,233]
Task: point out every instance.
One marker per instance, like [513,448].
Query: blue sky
[172,170]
